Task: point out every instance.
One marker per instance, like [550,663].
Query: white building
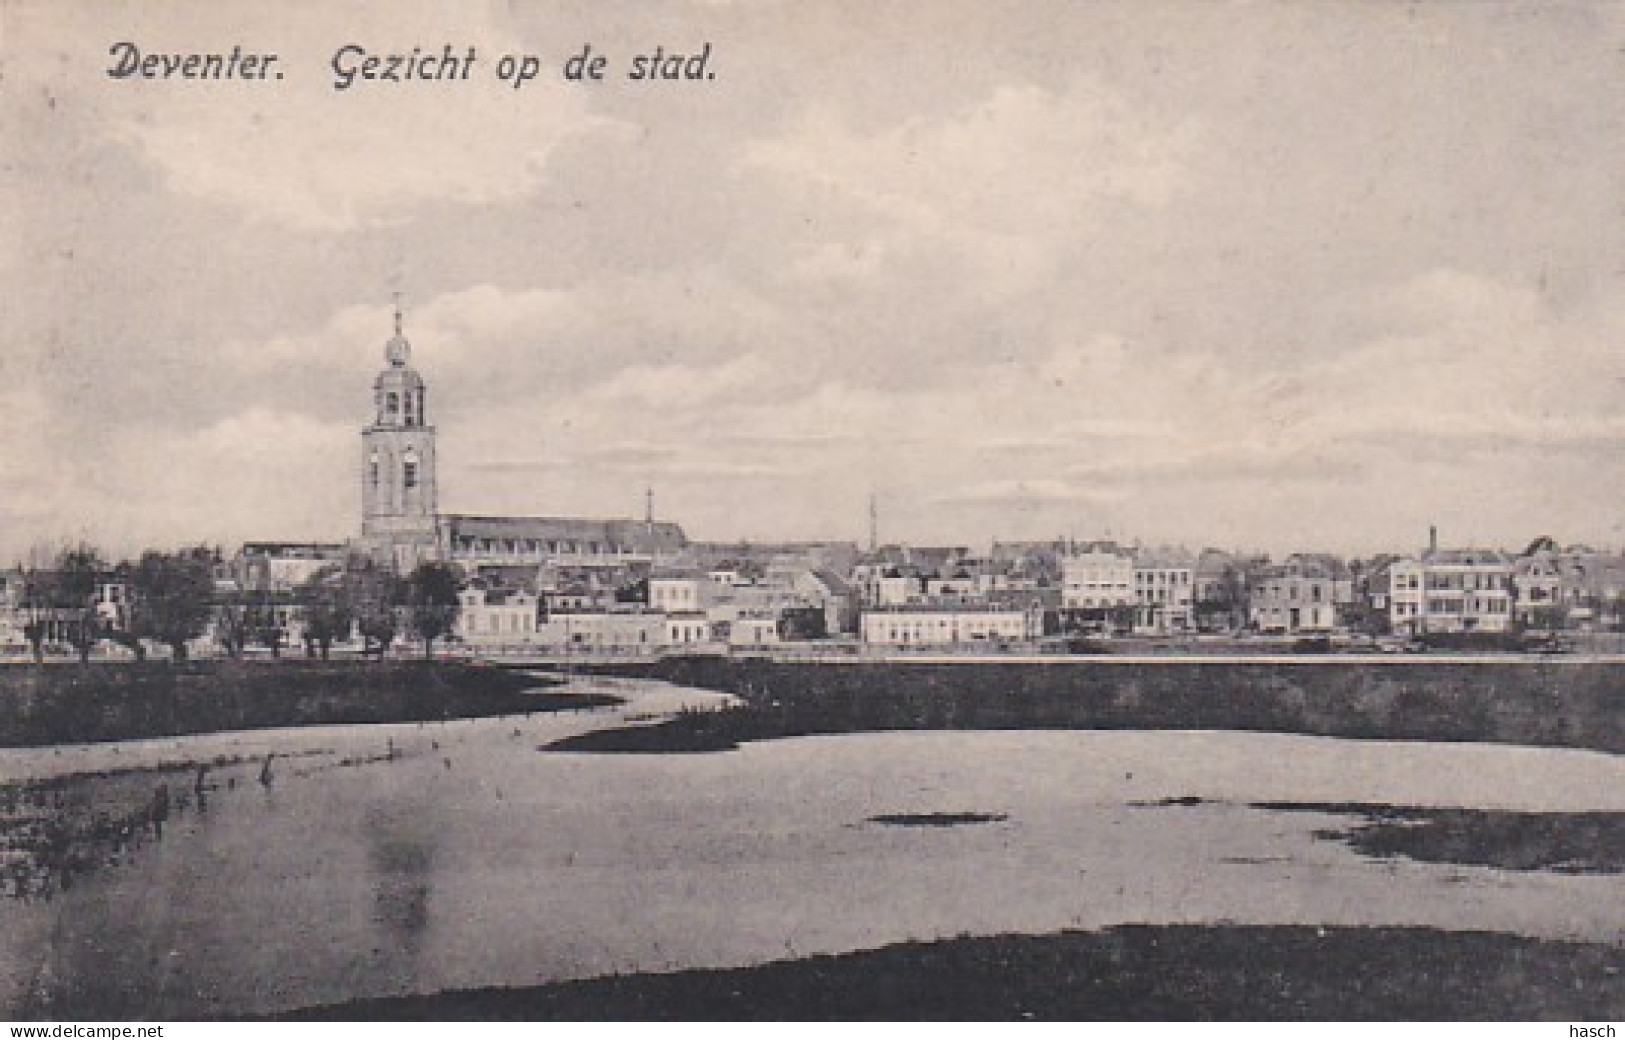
[1405,598]
[945,625]
[1164,590]
[603,632]
[754,630]
[687,629]
[1451,590]
[1098,579]
[681,591]
[497,616]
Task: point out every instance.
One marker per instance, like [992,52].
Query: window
[409,474]
[392,403]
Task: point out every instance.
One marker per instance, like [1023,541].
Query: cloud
[678,385]
[1208,289]
[1010,163]
[255,475]
[295,150]
[37,482]
[1009,184]
[1467,357]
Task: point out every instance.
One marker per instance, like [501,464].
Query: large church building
[401,522]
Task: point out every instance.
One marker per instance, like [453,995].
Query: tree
[328,613]
[265,628]
[60,599]
[1547,617]
[370,594]
[172,597]
[803,623]
[231,626]
[39,602]
[431,599]
[79,570]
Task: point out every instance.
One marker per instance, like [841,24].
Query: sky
[1258,275]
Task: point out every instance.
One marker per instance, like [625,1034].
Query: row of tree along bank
[172,599]
[1573,704]
[104,702]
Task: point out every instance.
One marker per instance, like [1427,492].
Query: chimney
[1433,539]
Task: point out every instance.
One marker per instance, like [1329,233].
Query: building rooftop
[294,550]
[1160,558]
[659,536]
[1466,558]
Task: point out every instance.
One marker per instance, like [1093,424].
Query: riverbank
[1560,703]
[1129,973]
[63,704]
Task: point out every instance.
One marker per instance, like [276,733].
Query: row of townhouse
[1148,590]
[893,596]
[1488,590]
[619,630]
[670,606]
[1437,591]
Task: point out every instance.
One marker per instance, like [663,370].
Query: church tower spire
[398,492]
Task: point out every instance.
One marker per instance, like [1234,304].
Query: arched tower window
[392,404]
[409,470]
[372,464]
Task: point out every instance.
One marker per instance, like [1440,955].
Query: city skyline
[1254,276]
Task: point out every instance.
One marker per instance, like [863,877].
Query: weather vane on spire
[397,352]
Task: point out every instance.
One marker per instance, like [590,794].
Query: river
[384,860]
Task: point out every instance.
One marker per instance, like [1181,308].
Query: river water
[385,860]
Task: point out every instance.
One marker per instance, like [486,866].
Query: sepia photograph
[718,510]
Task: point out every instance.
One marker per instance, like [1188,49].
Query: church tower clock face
[398,494]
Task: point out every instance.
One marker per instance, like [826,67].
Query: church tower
[398,503]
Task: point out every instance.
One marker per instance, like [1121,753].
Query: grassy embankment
[60,704]
[1568,704]
[1133,972]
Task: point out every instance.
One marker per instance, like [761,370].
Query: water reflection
[400,861]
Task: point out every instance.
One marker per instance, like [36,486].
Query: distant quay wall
[1564,701]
